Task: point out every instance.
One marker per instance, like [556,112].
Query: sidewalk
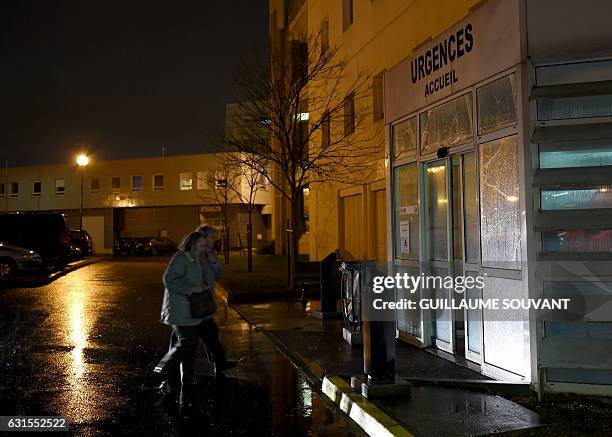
[316,347]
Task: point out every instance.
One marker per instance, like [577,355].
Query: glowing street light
[82,160]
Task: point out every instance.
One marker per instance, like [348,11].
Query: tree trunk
[293,242]
[226,248]
[250,243]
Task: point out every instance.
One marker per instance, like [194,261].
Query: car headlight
[32,256]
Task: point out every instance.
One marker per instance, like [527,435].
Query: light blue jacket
[183,273]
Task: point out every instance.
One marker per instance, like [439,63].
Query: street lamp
[82,161]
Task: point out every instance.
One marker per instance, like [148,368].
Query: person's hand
[211,256]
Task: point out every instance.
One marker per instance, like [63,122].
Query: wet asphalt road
[84,346]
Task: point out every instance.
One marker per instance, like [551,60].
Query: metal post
[328,284]
[379,351]
[289,231]
[249,248]
[81,206]
[378,342]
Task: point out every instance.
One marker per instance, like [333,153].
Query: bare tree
[222,183]
[251,181]
[305,114]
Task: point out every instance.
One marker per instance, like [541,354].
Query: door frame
[427,319]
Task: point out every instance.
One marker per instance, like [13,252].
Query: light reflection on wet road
[84,346]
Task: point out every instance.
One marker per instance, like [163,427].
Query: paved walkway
[318,349]
[84,346]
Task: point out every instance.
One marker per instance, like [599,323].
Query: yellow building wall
[171,167]
[382,34]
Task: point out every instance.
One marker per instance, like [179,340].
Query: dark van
[45,233]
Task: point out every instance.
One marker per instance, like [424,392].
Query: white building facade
[499,144]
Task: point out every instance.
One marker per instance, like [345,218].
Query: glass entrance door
[451,230]
[438,233]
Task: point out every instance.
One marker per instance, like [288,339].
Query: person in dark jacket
[189,271]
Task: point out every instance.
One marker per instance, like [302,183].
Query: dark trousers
[183,347]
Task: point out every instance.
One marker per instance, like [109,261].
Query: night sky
[125,78]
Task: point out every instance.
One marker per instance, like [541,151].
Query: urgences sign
[455,46]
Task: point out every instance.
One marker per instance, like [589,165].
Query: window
[406,211]
[94,185]
[584,198]
[378,97]
[262,182]
[60,187]
[449,124]
[577,240]
[500,214]
[115,183]
[220,179]
[158,182]
[324,35]
[574,107]
[497,105]
[349,114]
[299,60]
[216,222]
[405,138]
[2,189]
[583,154]
[202,181]
[186,181]
[36,188]
[305,204]
[326,130]
[14,189]
[137,183]
[578,90]
[347,14]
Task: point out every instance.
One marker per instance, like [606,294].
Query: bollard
[328,284]
[327,275]
[378,345]
[379,351]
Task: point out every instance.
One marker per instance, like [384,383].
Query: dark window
[326,130]
[14,189]
[136,183]
[2,189]
[377,97]
[94,185]
[324,35]
[158,182]
[347,13]
[115,183]
[60,187]
[36,188]
[299,61]
[349,114]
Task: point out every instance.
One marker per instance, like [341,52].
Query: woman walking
[189,278]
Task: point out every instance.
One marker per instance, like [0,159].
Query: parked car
[140,246]
[162,246]
[82,240]
[74,252]
[143,246]
[15,260]
[123,246]
[44,233]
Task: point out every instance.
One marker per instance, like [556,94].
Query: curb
[363,412]
[71,268]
